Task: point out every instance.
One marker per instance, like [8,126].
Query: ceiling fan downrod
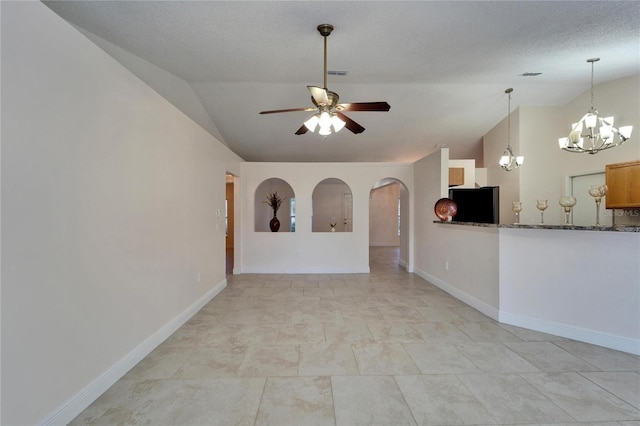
[325,31]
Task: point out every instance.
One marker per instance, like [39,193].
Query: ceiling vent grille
[530,74]
[336,72]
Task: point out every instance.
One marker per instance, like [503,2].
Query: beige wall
[383,216]
[535,133]
[110,229]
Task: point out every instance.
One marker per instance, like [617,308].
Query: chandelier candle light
[593,133]
[508,161]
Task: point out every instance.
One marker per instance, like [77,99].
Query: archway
[389,220]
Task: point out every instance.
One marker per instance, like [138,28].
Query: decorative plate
[445,209]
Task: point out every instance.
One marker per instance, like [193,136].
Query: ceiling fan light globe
[337,123]
[325,119]
[325,130]
[311,123]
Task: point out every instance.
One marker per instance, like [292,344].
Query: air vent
[335,72]
[530,74]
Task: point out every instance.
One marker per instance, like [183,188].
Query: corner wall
[110,234]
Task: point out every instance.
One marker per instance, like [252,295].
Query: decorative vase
[274,223]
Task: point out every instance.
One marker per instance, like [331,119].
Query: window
[293,214]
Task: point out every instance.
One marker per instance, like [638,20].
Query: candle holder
[516,207]
[567,203]
[542,206]
[597,192]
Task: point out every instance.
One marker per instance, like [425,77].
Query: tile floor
[385,348]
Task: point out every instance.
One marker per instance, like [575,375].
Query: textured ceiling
[443,66]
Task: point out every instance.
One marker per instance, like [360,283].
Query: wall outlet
[446,266]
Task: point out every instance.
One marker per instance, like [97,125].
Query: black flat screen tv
[479,205]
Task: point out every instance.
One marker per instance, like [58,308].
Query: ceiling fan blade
[319,95]
[350,124]
[302,130]
[365,106]
[287,110]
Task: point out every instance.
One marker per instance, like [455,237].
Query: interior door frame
[568,179]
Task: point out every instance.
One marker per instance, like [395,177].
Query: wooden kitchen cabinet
[623,181]
[456,176]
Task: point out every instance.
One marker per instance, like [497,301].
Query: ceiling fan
[329,113]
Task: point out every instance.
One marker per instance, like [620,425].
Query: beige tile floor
[385,348]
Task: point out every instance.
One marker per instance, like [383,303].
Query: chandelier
[594,133]
[508,161]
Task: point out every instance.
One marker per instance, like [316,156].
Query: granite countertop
[566,227]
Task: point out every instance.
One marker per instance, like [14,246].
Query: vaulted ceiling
[443,66]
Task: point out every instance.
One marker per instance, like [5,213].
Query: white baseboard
[305,270]
[571,332]
[478,304]
[384,244]
[74,406]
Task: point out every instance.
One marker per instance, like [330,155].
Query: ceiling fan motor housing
[325,29]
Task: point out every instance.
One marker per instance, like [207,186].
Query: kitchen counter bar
[564,227]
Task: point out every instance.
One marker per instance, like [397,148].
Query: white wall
[432,173]
[406,228]
[109,229]
[305,251]
[461,260]
[582,285]
[469,167]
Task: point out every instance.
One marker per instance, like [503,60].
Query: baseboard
[384,244]
[571,332]
[304,270]
[74,406]
[478,304]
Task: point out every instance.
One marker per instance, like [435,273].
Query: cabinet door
[623,181]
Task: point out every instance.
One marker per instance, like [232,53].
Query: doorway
[229,222]
[584,212]
[389,220]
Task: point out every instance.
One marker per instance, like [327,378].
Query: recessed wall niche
[264,212]
[332,205]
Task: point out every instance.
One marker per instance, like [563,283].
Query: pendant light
[509,161]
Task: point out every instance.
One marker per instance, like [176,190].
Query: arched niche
[264,212]
[332,204]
